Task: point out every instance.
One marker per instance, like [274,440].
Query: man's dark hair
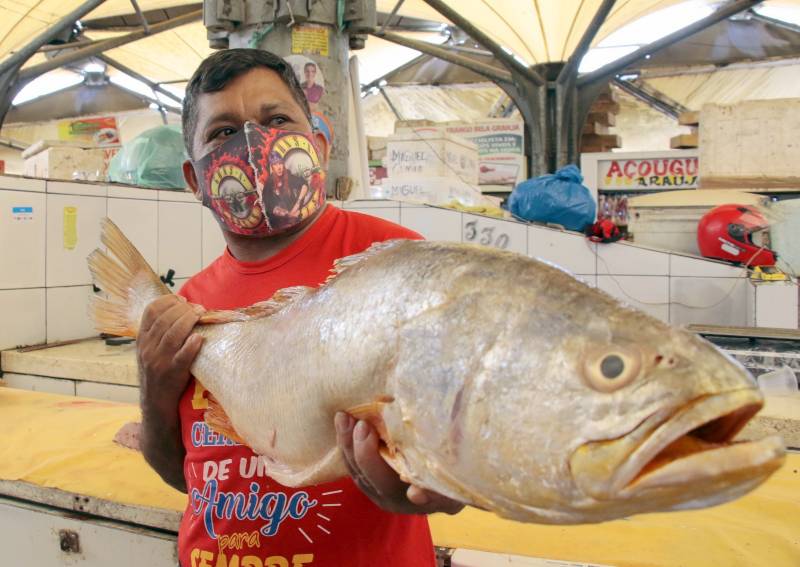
[220,68]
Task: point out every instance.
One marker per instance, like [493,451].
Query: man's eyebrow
[221,117]
[270,107]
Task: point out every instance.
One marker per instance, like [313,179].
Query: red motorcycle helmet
[726,233]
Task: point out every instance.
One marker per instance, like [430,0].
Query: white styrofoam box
[647,293]
[698,267]
[431,154]
[777,305]
[138,219]
[429,190]
[213,243]
[111,392]
[73,232]
[22,239]
[185,196]
[391,214]
[125,192]
[23,320]
[572,251]
[76,188]
[433,223]
[620,258]
[68,313]
[22,183]
[40,384]
[708,301]
[370,204]
[751,138]
[69,163]
[179,245]
[503,234]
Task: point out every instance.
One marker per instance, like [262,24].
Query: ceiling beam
[492,73]
[651,97]
[570,68]
[140,15]
[139,77]
[107,44]
[607,71]
[65,23]
[479,36]
[131,21]
[774,21]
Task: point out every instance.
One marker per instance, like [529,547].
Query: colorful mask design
[262,181]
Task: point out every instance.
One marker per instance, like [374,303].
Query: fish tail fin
[128,281]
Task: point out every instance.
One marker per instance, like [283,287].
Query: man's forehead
[255,89]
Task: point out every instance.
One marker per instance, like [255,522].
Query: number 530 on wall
[499,234]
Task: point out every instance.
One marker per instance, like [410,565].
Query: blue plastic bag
[559,198]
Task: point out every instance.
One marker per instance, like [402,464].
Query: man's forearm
[163,450]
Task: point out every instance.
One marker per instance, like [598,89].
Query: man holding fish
[242,109]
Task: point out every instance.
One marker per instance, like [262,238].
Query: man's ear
[323,147]
[190,177]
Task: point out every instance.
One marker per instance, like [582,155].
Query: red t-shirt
[236,516]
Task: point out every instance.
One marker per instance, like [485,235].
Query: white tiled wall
[23,317]
[22,239]
[648,293]
[138,219]
[571,251]
[68,313]
[67,265]
[626,259]
[174,231]
[179,242]
[710,301]
[432,224]
[40,384]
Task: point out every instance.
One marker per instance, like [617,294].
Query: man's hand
[359,443]
[165,351]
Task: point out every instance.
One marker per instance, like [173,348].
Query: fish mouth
[694,444]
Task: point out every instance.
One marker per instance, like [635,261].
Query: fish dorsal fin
[216,418]
[343,264]
[281,299]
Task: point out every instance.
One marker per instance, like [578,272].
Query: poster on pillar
[311,79]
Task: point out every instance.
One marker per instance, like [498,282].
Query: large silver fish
[492,378]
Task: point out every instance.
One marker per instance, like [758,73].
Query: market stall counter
[59,462]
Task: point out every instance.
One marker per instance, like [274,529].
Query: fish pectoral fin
[372,413]
[216,418]
[281,299]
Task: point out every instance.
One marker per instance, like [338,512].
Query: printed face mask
[262,181]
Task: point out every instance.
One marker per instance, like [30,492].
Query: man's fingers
[181,328]
[188,352]
[432,501]
[164,322]
[154,310]
[344,437]
[369,461]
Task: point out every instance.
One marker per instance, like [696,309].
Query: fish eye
[610,368]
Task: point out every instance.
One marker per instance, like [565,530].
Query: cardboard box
[429,190]
[68,162]
[431,152]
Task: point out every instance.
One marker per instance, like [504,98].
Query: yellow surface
[66,442]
